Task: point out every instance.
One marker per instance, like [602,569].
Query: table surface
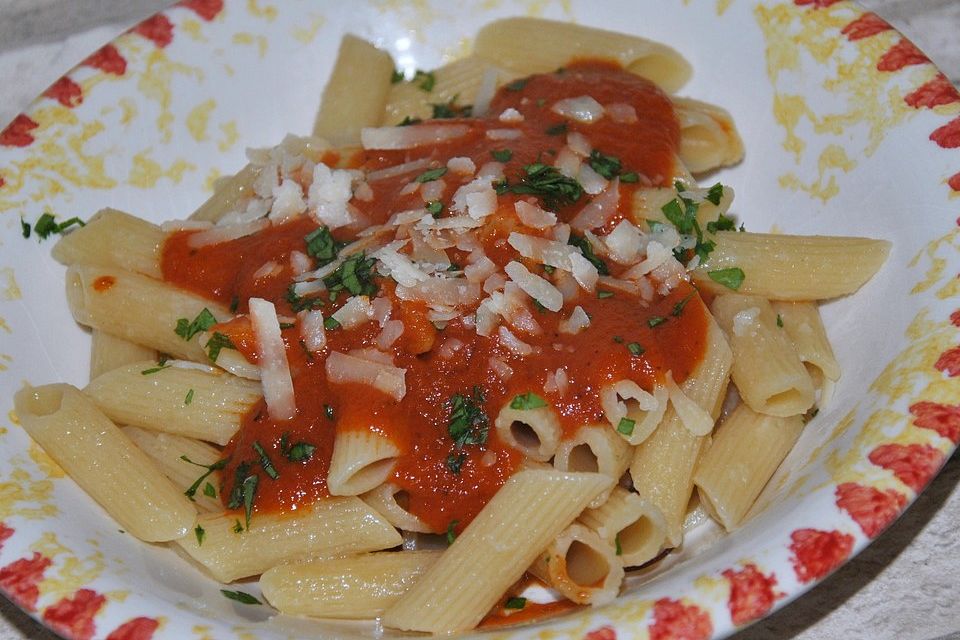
[894,589]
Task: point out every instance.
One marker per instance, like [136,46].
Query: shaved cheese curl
[342,368]
[274,368]
[410,137]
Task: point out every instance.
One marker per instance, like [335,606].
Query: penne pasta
[104,462]
[109,352]
[630,524]
[594,449]
[581,566]
[535,432]
[392,503]
[114,239]
[801,321]
[362,460]
[360,586]
[708,137]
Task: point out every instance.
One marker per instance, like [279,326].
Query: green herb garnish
[731,278]
[502,155]
[780,321]
[580,242]
[526,401]
[200,533]
[625,426]
[210,468]
[451,535]
[425,80]
[635,349]
[355,275]
[265,461]
[218,342]
[655,321]
[515,603]
[322,247]
[189,397]
[240,596]
[187,329]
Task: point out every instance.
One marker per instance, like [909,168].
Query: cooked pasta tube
[104,462]
[535,45]
[534,432]
[168,452]
[361,461]
[630,524]
[361,586]
[766,368]
[109,352]
[780,267]
[136,308]
[580,565]
[492,553]
[230,195]
[801,321]
[230,551]
[746,450]
[113,238]
[355,93]
[631,411]
[189,400]
[457,82]
[391,502]
[663,464]
[594,449]
[708,137]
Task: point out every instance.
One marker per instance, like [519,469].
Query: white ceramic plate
[849,130]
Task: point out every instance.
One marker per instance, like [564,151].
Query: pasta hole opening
[789,402]
[586,566]
[39,401]
[524,435]
[582,458]
[370,475]
[634,537]
[634,411]
[402,498]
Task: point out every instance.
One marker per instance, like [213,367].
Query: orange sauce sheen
[418,423]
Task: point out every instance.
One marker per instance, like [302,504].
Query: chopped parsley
[355,275]
[189,397]
[200,533]
[47,225]
[655,321]
[209,490]
[526,401]
[722,223]
[300,303]
[630,177]
[322,247]
[682,214]
[616,542]
[240,596]
[396,77]
[580,242]
[715,194]
[407,121]
[780,321]
[187,329]
[678,308]
[451,534]
[431,174]
[604,294]
[451,110]
[300,452]
[244,490]
[265,461]
[217,343]
[235,303]
[731,278]
[546,182]
[435,208]
[502,155]
[161,365]
[455,462]
[557,129]
[625,426]
[237,527]
[425,80]
[635,349]
[548,269]
[210,468]
[618,339]
[515,603]
[468,423]
[331,323]
[517,85]
[607,166]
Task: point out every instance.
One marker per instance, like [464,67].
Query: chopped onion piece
[480,270]
[225,233]
[579,144]
[598,211]
[268,268]
[503,134]
[300,262]
[533,216]
[501,368]
[584,271]
[577,322]
[392,330]
[513,343]
[399,169]
[591,181]
[398,266]
[411,136]
[312,331]
[623,243]
[582,109]
[343,368]
[355,312]
[568,163]
[462,165]
[534,286]
[274,368]
[622,113]
[449,348]
[510,116]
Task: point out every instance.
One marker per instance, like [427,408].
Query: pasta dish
[476,332]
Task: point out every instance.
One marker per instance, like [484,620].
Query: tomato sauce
[627,338]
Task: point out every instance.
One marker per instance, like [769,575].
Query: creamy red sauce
[418,423]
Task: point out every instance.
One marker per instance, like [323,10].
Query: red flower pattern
[933,93]
[752,593]
[66,92]
[954,182]
[903,54]
[5,531]
[673,620]
[816,553]
[817,4]
[948,136]
[870,507]
[869,24]
[20,578]
[942,418]
[913,464]
[136,629]
[206,9]
[17,133]
[73,617]
[108,60]
[158,28]
[603,633]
